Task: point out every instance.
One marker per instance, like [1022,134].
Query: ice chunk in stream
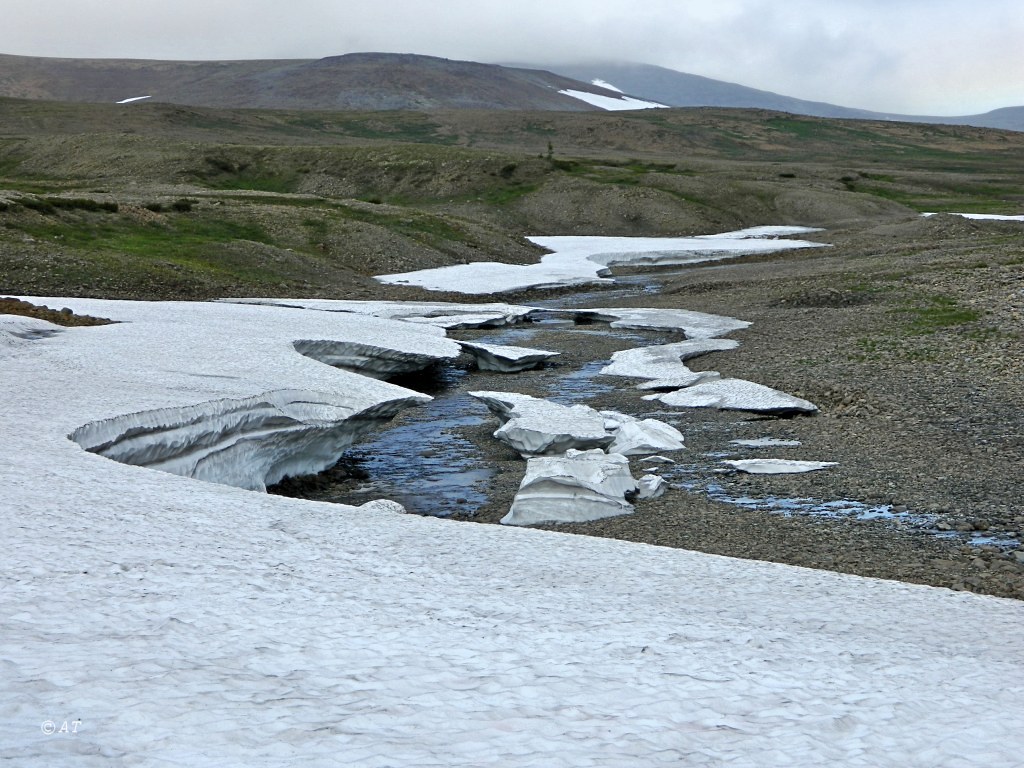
[635,437]
[651,487]
[662,364]
[536,427]
[574,488]
[506,359]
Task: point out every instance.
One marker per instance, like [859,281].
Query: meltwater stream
[422,461]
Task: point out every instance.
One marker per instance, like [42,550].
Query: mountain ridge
[389,81]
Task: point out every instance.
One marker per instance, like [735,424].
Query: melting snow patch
[735,395]
[607,86]
[766,442]
[635,437]
[694,325]
[194,623]
[663,364]
[982,216]
[777,466]
[612,103]
[651,487]
[579,260]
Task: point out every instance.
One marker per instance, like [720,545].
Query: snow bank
[171,621]
[639,437]
[219,392]
[982,216]
[662,364]
[694,325]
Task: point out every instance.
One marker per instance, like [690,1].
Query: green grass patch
[179,237]
[936,313]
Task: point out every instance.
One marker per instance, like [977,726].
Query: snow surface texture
[612,103]
[188,623]
[777,466]
[735,395]
[572,488]
[579,260]
[506,359]
[535,427]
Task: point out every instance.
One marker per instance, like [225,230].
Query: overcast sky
[941,57]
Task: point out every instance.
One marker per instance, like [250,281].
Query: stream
[422,460]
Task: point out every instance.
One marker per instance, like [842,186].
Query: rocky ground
[908,337]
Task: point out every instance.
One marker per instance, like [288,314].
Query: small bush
[181,206]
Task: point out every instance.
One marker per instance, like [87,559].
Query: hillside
[363,81]
[197,202]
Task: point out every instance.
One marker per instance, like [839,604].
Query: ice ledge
[506,359]
[375,361]
[248,443]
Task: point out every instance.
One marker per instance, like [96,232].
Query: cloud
[938,56]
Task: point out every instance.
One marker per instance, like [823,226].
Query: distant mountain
[382,81]
[364,81]
[679,89]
